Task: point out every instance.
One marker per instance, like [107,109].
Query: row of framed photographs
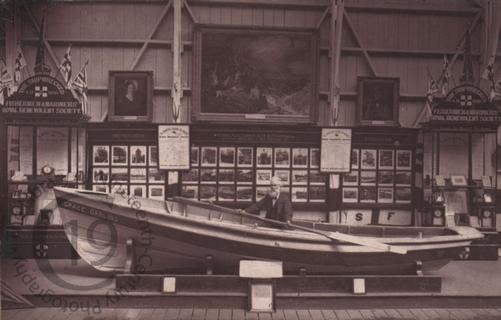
[142,191]
[123,155]
[381,178]
[265,157]
[247,193]
[377,195]
[381,159]
[248,176]
[135,175]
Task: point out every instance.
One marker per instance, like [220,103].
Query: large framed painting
[130,95]
[255,75]
[378,100]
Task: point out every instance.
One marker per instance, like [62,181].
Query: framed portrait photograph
[156,192]
[153,155]
[350,179]
[194,157]
[355,158]
[314,158]
[299,177]
[119,155]
[138,191]
[191,175]
[130,95]
[138,175]
[244,193]
[299,194]
[263,157]
[226,157]
[300,157]
[208,193]
[226,193]
[137,155]
[385,159]
[190,192]
[245,156]
[368,158]
[255,74]
[378,100]
[282,157]
[209,156]
[226,176]
[245,176]
[404,159]
[100,175]
[158,176]
[100,155]
[350,195]
[385,195]
[263,177]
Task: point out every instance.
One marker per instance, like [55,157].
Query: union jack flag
[80,84]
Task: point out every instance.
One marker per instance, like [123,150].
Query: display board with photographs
[382,176]
[229,173]
[129,168]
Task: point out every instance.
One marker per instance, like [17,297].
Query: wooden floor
[239,314]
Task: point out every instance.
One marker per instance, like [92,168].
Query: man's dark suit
[281,211]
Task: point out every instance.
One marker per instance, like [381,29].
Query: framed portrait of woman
[130,95]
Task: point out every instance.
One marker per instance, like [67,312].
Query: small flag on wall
[20,64]
[445,76]
[66,65]
[6,81]
[80,84]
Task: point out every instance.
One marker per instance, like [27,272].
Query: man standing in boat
[277,204]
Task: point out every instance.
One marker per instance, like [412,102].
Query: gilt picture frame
[377,101]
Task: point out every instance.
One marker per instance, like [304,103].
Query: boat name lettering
[91,211]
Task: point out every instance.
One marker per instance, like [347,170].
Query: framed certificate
[335,151]
[174,147]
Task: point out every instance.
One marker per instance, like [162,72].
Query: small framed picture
[314,158]
[403,178]
[299,177]
[226,157]
[261,192]
[244,193]
[138,175]
[138,155]
[404,159]
[385,178]
[350,195]
[153,155]
[191,175]
[317,178]
[119,155]
[263,157]
[100,155]
[378,99]
[263,177]
[300,157]
[368,194]
[119,188]
[459,181]
[100,188]
[385,195]
[190,192]
[226,193]
[299,194]
[355,159]
[209,156]
[245,176]
[403,195]
[194,157]
[385,159]
[244,156]
[156,192]
[138,191]
[208,193]
[350,179]
[368,159]
[317,193]
[367,178]
[100,175]
[226,176]
[157,176]
[284,176]
[130,95]
[282,157]
[208,176]
[119,175]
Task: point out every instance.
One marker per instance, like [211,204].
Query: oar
[339,236]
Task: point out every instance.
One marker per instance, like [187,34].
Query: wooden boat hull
[99,226]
